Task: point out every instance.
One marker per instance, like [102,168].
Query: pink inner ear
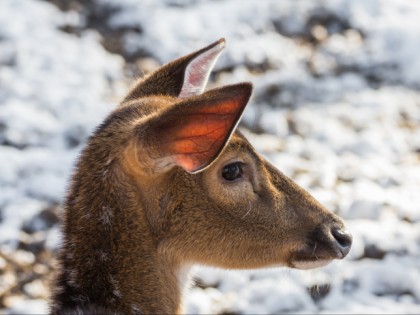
[198,71]
[201,136]
[195,146]
[193,132]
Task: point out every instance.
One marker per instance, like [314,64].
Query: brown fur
[135,220]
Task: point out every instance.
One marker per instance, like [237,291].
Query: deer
[167,182]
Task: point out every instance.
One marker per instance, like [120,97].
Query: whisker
[313,252]
[249,210]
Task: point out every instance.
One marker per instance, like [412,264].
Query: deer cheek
[235,195]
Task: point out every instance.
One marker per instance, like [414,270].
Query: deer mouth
[322,248]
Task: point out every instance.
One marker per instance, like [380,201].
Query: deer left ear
[184,77]
[198,71]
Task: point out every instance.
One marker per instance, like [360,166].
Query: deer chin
[308,258]
[310,264]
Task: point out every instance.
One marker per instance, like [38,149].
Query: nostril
[343,238]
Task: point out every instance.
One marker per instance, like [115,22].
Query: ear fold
[193,132]
[183,77]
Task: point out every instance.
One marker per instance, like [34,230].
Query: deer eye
[232,171]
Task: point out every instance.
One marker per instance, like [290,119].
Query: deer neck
[110,255]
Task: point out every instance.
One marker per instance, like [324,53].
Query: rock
[36,289]
[23,258]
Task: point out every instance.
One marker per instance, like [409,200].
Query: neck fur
[110,256]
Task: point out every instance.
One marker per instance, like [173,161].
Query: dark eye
[232,171]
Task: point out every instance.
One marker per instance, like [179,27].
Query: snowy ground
[336,107]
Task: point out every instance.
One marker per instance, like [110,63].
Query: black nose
[343,240]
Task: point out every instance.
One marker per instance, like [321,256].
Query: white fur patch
[103,256]
[135,308]
[115,287]
[117,293]
[72,278]
[106,215]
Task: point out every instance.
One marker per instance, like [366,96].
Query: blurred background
[336,106]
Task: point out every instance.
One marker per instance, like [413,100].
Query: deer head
[166,182]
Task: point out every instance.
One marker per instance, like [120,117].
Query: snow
[35,306]
[336,106]
[52,96]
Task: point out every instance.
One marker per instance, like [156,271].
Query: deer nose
[343,240]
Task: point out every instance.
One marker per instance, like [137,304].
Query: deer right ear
[192,132]
[184,77]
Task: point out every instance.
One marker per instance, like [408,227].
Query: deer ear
[192,132]
[184,77]
[198,70]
